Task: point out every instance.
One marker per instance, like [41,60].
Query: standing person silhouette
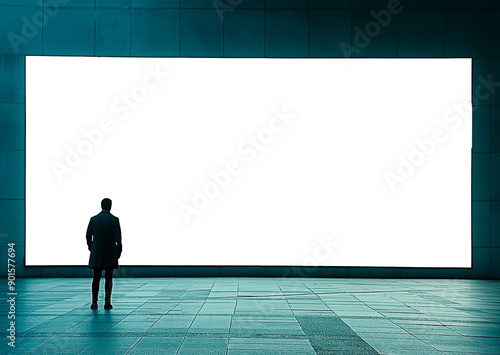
[104,240]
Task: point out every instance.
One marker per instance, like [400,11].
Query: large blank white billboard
[331,162]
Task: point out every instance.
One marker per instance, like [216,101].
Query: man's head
[106,204]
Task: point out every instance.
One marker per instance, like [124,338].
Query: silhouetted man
[104,239]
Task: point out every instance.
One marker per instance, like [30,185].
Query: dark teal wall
[254,28]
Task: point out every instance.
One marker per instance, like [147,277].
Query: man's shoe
[94,304]
[107,296]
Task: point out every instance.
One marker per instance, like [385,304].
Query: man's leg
[95,287]
[108,286]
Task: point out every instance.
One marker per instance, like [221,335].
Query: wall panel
[272,28]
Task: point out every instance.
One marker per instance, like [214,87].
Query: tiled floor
[257,316]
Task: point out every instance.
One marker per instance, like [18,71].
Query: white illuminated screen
[292,162]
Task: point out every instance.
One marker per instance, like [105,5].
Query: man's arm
[90,232]
[118,238]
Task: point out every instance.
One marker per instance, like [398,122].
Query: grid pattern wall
[256,28]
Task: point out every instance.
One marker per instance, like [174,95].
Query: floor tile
[259,316]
